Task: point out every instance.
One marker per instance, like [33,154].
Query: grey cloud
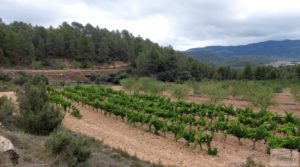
[190,20]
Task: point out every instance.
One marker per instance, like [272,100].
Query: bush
[185,75]
[128,83]
[144,84]
[36,64]
[166,76]
[179,91]
[37,115]
[251,163]
[260,96]
[76,112]
[74,148]
[215,90]
[57,64]
[7,108]
[114,78]
[212,151]
[4,77]
[149,85]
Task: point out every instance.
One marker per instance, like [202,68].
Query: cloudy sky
[180,23]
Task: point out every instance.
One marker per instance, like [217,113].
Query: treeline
[24,45]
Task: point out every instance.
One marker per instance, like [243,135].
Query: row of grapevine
[195,123]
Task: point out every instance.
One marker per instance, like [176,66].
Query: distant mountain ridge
[287,48]
[266,51]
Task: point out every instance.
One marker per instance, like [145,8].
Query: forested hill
[25,46]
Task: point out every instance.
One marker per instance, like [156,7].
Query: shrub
[4,77]
[149,85]
[74,148]
[7,108]
[37,115]
[57,64]
[36,64]
[179,91]
[212,151]
[166,76]
[128,83]
[76,112]
[58,141]
[185,75]
[215,90]
[251,163]
[260,96]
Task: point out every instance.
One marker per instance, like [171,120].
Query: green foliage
[114,78]
[215,90]
[295,90]
[7,108]
[143,84]
[25,45]
[57,64]
[251,163]
[36,64]
[74,148]
[4,77]
[166,76]
[128,83]
[260,96]
[179,91]
[76,112]
[194,123]
[248,73]
[212,151]
[37,115]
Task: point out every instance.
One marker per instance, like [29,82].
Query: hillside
[256,53]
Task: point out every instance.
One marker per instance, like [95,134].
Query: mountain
[256,53]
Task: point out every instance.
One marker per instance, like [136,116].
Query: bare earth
[154,148]
[11,95]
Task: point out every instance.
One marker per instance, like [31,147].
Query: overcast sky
[181,23]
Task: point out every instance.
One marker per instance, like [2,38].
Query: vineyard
[194,123]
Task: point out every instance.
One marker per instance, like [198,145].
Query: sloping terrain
[150,147]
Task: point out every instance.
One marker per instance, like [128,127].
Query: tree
[248,72]
[180,91]
[3,60]
[37,115]
[298,71]
[260,73]
[224,73]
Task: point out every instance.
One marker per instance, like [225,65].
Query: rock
[7,147]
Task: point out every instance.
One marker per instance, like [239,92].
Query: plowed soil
[150,147]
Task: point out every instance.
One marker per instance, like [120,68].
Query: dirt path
[286,103]
[154,148]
